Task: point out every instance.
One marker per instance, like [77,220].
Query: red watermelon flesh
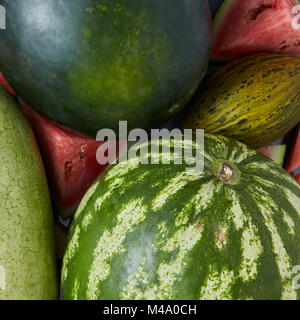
[293,162]
[70,161]
[297,177]
[244,27]
[5,84]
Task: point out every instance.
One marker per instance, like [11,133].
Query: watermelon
[165,231]
[247,27]
[294,158]
[88,64]
[274,152]
[70,161]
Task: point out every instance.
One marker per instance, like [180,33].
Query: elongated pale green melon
[146,231]
[27,257]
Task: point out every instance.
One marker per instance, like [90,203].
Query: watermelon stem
[226,172]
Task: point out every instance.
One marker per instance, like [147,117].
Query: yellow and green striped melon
[158,231]
[254,100]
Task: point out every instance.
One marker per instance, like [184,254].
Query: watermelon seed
[68,166]
[284,47]
[82,153]
[256,12]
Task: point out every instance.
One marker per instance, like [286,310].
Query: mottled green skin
[88,64]
[27,256]
[170,229]
[254,100]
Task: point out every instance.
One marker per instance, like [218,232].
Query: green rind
[278,154]
[217,22]
[275,152]
[27,256]
[158,232]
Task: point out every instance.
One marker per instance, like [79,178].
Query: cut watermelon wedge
[274,152]
[70,161]
[293,162]
[244,27]
[5,84]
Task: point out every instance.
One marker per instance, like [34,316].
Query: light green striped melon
[162,232]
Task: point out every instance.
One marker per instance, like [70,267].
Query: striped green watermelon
[146,231]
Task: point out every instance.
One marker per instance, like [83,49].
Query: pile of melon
[143,225]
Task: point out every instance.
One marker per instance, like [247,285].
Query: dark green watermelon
[88,64]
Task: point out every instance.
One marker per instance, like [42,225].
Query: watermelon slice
[69,158]
[5,84]
[274,152]
[293,162]
[297,177]
[244,27]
